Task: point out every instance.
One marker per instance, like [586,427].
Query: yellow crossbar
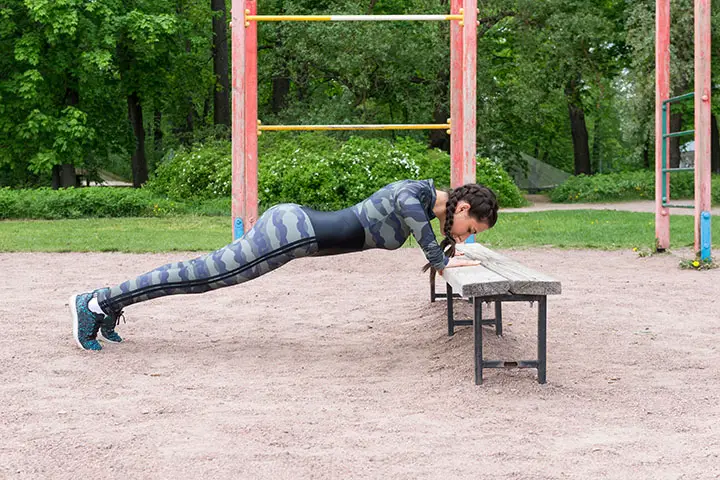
[349,18]
[280,128]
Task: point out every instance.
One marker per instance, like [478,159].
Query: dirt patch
[339,367]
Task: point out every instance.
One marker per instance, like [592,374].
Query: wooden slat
[522,280]
[476,281]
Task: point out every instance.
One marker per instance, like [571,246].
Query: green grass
[139,235]
[562,229]
[602,229]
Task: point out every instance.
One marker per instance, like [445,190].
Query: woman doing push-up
[287,231]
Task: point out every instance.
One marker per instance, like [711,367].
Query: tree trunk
[646,155]
[578,128]
[280,91]
[581,150]
[439,138]
[139,161]
[157,131]
[55,177]
[221,112]
[189,122]
[675,126]
[66,177]
[715,147]
[597,137]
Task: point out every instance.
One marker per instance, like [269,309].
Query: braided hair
[483,206]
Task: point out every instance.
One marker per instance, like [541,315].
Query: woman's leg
[282,233]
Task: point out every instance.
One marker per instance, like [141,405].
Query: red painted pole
[238,116]
[702,113]
[469,121]
[251,119]
[456,97]
[662,92]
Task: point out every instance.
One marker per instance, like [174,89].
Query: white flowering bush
[318,170]
[200,173]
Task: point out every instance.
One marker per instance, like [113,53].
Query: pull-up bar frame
[298,128]
[246,127]
[349,18]
[701,132]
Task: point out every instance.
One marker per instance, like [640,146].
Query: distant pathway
[541,203]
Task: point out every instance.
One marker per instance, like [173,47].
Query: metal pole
[662,92]
[478,335]
[702,126]
[498,318]
[469,90]
[238,35]
[251,118]
[450,314]
[542,339]
[469,137]
[456,97]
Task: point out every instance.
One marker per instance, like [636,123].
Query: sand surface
[340,367]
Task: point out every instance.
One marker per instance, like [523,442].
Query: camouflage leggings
[282,233]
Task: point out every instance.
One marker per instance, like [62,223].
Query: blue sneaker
[85,323]
[109,334]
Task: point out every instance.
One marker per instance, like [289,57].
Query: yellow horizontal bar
[280,128]
[349,18]
[286,18]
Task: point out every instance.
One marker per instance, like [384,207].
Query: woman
[286,231]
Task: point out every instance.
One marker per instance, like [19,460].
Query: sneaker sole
[76,326]
[107,339]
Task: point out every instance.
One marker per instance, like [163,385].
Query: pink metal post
[469,84]
[662,93]
[238,116]
[702,114]
[456,97]
[251,119]
[244,114]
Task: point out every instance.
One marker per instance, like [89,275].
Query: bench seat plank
[522,280]
[476,281]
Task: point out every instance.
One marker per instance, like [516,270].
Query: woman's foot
[88,318]
[85,323]
[109,334]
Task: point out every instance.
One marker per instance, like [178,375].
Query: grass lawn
[563,229]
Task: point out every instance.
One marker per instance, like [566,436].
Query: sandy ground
[339,367]
[540,203]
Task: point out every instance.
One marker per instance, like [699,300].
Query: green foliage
[319,171]
[44,203]
[202,172]
[638,185]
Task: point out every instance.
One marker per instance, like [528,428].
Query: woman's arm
[413,214]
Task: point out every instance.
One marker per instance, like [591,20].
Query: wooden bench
[498,279]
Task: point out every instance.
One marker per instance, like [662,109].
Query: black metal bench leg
[432,286]
[498,318]
[451,318]
[477,329]
[542,339]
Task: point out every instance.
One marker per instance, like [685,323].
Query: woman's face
[465,224]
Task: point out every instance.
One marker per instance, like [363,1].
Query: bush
[200,173]
[319,171]
[639,185]
[45,203]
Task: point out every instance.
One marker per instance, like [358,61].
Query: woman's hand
[460,262]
